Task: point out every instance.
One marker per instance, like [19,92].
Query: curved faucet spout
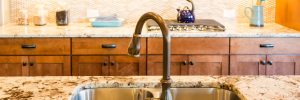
[134,49]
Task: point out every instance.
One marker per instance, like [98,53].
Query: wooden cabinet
[35,65]
[287,13]
[106,57]
[12,66]
[254,46]
[265,65]
[49,66]
[208,65]
[247,65]
[35,57]
[103,46]
[35,46]
[264,56]
[190,65]
[190,46]
[179,65]
[190,56]
[90,65]
[127,66]
[283,65]
[108,66]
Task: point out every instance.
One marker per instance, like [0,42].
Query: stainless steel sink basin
[154,94]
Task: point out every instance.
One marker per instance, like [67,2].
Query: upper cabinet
[287,13]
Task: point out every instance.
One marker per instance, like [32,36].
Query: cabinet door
[208,65]
[178,65]
[283,65]
[127,66]
[90,65]
[49,65]
[247,65]
[13,65]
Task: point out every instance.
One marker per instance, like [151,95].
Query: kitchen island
[61,88]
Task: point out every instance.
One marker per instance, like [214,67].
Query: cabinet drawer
[35,46]
[191,46]
[265,46]
[106,46]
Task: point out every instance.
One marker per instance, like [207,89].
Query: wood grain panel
[287,13]
[283,65]
[44,46]
[155,65]
[92,46]
[191,46]
[49,66]
[209,65]
[247,65]
[90,65]
[252,46]
[127,66]
[13,66]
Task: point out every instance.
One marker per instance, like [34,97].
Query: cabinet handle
[28,46]
[270,62]
[191,63]
[112,63]
[105,64]
[266,46]
[24,64]
[263,62]
[31,64]
[185,63]
[109,46]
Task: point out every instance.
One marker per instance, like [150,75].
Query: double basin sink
[153,94]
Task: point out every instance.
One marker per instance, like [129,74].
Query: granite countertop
[61,88]
[85,30]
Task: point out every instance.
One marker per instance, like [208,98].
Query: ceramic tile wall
[131,10]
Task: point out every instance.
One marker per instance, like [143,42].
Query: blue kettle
[186,15]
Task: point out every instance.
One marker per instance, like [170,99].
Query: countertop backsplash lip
[74,30]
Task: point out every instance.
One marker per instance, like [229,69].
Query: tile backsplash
[131,10]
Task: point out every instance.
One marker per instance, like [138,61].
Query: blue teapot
[186,15]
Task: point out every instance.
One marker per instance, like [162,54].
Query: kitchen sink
[153,94]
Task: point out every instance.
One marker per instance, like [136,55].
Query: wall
[4,12]
[131,10]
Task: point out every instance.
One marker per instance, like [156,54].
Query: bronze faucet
[134,50]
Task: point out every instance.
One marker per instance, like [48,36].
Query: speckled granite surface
[84,30]
[60,88]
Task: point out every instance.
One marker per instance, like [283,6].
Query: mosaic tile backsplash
[131,10]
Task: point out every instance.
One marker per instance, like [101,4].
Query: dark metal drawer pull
[109,46]
[266,45]
[31,64]
[263,62]
[270,62]
[24,64]
[185,63]
[28,46]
